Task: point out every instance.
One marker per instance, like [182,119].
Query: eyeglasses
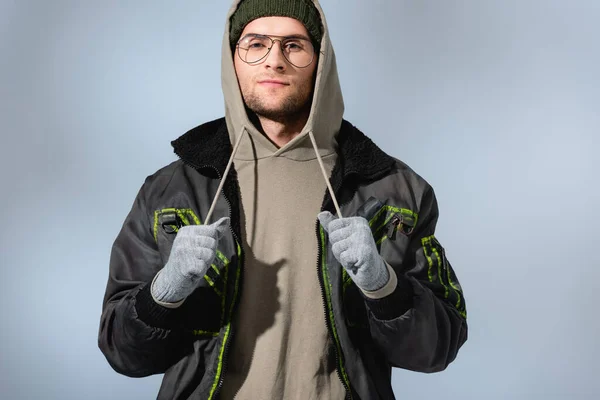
[253,48]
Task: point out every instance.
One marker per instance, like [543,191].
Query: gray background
[495,103]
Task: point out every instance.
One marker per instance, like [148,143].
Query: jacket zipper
[235,300]
[330,327]
[392,228]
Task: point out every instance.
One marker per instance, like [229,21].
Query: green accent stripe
[220,365]
[455,288]
[222,257]
[228,329]
[328,290]
[183,218]
[425,242]
[198,332]
[440,275]
[392,211]
[194,216]
[225,279]
[217,291]
[210,281]
[347,283]
[431,245]
[383,238]
[377,215]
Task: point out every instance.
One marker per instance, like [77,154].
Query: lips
[272,82]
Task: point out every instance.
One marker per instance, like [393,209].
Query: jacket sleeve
[422,324]
[137,336]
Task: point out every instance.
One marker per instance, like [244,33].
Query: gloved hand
[193,252]
[354,247]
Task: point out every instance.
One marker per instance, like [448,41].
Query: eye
[293,45]
[254,42]
[256,45]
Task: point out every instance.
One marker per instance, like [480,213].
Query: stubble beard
[291,108]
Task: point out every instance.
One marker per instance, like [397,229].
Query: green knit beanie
[302,10]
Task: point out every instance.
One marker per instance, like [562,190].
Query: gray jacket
[419,327]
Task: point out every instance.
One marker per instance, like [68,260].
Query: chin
[271,106]
[270,112]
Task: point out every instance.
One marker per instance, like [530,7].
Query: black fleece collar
[207,147]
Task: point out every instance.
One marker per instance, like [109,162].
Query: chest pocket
[386,222]
[167,223]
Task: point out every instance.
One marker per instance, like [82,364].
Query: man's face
[274,88]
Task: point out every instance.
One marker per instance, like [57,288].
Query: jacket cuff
[395,304]
[154,314]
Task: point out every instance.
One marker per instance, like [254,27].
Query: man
[279,298]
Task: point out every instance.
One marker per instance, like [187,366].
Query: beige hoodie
[281,349]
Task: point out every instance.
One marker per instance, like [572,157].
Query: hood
[325,114]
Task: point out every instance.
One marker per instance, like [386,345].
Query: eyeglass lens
[253,48]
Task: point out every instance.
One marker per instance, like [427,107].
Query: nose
[275,58]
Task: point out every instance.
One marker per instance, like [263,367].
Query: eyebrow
[294,36]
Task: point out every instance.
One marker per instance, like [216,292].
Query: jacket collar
[360,156]
[207,147]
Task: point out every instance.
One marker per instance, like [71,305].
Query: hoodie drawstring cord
[214,202]
[335,203]
[233,153]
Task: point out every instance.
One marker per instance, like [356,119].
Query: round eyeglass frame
[280,40]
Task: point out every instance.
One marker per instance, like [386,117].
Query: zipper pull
[393,228]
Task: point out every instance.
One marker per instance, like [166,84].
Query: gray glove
[354,247]
[193,252]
